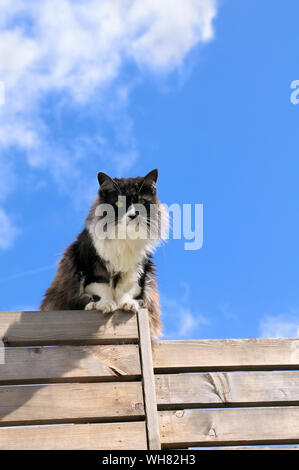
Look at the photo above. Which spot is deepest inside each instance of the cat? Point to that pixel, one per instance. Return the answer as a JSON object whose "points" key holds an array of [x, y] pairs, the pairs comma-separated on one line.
{"points": [[109, 267]]}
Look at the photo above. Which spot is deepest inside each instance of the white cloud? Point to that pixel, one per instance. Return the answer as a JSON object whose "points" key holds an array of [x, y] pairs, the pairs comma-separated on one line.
{"points": [[30, 272], [75, 47], [8, 179], [21, 308], [170, 29], [177, 313], [74, 52], [280, 326], [8, 232]]}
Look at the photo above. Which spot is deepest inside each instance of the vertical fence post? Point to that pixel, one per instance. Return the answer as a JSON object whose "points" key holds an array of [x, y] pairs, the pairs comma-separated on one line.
{"points": [[148, 381], [2, 353]]}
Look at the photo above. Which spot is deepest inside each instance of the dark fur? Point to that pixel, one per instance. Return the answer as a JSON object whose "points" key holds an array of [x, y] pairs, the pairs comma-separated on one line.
{"points": [[80, 264]]}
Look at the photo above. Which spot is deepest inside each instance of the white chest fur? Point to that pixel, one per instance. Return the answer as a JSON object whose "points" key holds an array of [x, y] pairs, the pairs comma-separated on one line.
{"points": [[121, 255]]}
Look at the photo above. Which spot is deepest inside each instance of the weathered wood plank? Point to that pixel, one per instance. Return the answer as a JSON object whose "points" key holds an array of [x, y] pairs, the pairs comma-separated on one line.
{"points": [[31, 404], [110, 436], [85, 327], [276, 447], [230, 426], [148, 381], [70, 363], [227, 354], [227, 388]]}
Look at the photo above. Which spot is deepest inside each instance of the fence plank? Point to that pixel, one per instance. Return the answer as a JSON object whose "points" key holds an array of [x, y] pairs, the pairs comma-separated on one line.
{"points": [[148, 381], [31, 404], [110, 436], [230, 426], [234, 354], [46, 328], [276, 447], [227, 388], [70, 363]]}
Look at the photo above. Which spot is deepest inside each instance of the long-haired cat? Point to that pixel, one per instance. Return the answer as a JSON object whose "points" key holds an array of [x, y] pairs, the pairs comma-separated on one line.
{"points": [[109, 266]]}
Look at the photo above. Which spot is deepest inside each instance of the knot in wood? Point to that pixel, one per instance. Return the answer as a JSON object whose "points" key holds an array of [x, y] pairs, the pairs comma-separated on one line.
{"points": [[212, 432]]}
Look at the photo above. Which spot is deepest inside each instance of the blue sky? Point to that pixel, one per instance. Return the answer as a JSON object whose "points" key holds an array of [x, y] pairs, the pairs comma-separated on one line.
{"points": [[201, 91]]}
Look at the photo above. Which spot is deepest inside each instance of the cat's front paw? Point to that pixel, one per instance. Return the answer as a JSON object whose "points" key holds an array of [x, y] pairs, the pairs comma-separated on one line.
{"points": [[130, 305], [106, 306], [90, 306]]}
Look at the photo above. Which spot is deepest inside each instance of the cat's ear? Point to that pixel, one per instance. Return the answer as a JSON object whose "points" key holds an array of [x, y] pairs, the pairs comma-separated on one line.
{"points": [[149, 181], [102, 178], [151, 177], [107, 183]]}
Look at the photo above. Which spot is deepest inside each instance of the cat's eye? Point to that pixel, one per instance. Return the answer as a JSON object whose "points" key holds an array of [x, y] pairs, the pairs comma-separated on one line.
{"points": [[141, 201], [119, 204]]}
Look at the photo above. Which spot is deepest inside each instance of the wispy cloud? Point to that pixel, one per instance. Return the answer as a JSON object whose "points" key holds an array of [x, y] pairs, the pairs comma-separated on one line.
{"points": [[177, 313], [82, 50], [8, 232], [280, 326], [63, 57], [21, 308], [28, 273], [8, 229]]}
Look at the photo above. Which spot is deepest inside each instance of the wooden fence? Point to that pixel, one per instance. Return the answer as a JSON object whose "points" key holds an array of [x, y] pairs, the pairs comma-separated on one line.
{"points": [[82, 380]]}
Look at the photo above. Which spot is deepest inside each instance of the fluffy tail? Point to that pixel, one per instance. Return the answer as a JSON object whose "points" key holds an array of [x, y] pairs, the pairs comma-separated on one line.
{"points": [[152, 304]]}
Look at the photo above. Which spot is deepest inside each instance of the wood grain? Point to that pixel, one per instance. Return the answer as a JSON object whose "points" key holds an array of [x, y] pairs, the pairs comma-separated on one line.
{"points": [[150, 401], [70, 363], [227, 389], [110, 436], [32, 404], [67, 327], [232, 426], [226, 354], [276, 447]]}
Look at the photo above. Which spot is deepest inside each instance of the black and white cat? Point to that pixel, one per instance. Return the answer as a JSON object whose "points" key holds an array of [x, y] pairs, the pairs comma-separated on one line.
{"points": [[109, 266]]}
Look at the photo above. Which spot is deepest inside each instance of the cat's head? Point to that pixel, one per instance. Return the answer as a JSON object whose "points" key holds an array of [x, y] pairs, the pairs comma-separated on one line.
{"points": [[129, 207], [139, 190]]}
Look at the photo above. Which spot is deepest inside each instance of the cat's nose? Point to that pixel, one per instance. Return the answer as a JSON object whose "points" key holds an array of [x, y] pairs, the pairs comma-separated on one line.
{"points": [[131, 213]]}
